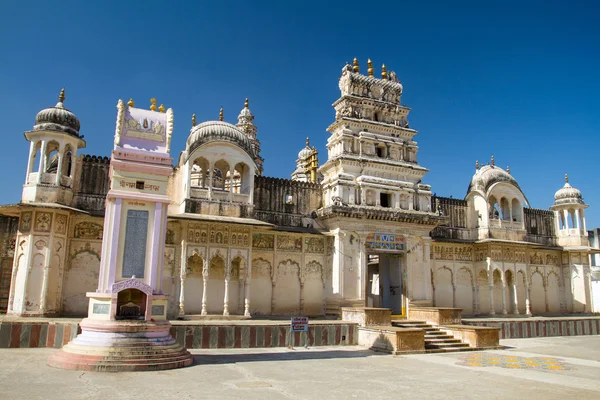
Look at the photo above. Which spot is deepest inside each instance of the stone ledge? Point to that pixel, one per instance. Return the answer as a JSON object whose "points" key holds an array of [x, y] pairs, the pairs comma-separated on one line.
{"points": [[436, 315], [390, 339], [366, 316], [477, 337]]}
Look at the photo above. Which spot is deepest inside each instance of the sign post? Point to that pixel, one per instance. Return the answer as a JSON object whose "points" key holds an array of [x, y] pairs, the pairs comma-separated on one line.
{"points": [[299, 324]]}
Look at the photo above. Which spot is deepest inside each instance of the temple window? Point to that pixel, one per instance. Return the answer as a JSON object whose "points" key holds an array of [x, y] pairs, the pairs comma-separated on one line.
{"points": [[385, 200]]}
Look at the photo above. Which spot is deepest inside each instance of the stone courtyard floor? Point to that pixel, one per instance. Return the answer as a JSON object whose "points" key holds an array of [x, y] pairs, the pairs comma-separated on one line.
{"points": [[545, 368]]}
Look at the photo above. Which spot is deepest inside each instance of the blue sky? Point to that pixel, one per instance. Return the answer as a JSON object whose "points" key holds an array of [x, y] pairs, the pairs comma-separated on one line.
{"points": [[515, 79]]}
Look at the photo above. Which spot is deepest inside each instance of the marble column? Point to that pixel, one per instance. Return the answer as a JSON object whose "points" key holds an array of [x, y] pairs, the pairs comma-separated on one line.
{"points": [[45, 276], [204, 286], [491, 284], [31, 161], [42, 165], [516, 297], [247, 289], [182, 276], [504, 312], [211, 173], [527, 301], [226, 297], [59, 168]]}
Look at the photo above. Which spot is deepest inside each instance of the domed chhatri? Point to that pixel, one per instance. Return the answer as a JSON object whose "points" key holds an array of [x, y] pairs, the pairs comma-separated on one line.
{"points": [[488, 175], [568, 194], [57, 118], [218, 131]]}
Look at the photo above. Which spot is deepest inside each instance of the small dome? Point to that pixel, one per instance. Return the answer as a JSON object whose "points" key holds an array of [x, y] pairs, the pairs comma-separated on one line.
{"points": [[218, 131], [568, 195], [489, 175], [245, 113], [304, 153], [57, 118]]}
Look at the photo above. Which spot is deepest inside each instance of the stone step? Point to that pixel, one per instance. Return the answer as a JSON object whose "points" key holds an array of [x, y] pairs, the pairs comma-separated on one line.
{"points": [[447, 345], [448, 349], [446, 339]]}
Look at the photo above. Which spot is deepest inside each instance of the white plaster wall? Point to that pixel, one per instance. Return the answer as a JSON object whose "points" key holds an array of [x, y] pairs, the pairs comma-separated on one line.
{"points": [[484, 292], [19, 287], [443, 287], [578, 287], [260, 287], [553, 293], [80, 277], [497, 292], [538, 299], [464, 291], [521, 292], [351, 257], [287, 289], [34, 283], [193, 293]]}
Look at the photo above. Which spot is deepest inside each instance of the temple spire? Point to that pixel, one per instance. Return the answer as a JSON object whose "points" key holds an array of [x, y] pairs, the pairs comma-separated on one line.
{"points": [[370, 69], [383, 72], [508, 169], [61, 96], [307, 142], [566, 178], [221, 114], [246, 103], [477, 165], [493, 161], [193, 120]]}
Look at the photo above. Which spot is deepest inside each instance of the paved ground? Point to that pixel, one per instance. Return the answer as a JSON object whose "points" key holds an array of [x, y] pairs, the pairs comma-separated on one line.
{"points": [[546, 368]]}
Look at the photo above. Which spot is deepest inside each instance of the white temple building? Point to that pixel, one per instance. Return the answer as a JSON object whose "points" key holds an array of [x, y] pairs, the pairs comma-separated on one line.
{"points": [[362, 228]]}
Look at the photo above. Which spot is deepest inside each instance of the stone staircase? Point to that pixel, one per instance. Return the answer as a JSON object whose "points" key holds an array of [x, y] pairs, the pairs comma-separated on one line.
{"points": [[436, 341]]}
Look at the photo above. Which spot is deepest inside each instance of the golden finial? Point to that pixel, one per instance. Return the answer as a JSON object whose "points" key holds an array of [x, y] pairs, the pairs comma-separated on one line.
{"points": [[355, 66], [477, 164], [221, 114], [307, 142], [493, 162], [161, 108], [153, 104], [193, 120], [508, 169], [370, 65], [566, 178], [383, 72], [130, 103], [61, 96], [246, 104]]}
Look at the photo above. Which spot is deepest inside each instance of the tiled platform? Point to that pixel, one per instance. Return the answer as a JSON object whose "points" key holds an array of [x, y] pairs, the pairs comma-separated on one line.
{"points": [[529, 327], [204, 334]]}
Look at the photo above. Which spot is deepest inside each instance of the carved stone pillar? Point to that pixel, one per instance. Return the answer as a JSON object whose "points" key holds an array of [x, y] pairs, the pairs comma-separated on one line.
{"points": [[211, 173], [272, 297], [31, 160], [504, 312], [301, 297], [475, 296], [516, 298], [182, 275], [491, 285], [226, 297], [247, 294], [204, 287], [59, 168], [547, 306], [527, 296], [42, 165], [44, 291]]}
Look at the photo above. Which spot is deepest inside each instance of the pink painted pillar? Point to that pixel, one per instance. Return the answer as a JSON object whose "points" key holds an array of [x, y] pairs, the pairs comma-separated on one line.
{"points": [[114, 244]]}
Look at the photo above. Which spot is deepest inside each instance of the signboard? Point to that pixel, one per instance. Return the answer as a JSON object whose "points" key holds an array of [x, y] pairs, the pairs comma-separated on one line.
{"points": [[299, 324], [385, 242]]}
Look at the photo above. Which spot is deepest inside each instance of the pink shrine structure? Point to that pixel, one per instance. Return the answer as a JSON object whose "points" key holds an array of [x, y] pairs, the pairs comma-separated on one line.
{"points": [[127, 327]]}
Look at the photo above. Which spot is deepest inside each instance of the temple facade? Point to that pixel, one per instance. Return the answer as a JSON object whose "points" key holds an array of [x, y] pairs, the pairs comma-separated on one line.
{"points": [[361, 229]]}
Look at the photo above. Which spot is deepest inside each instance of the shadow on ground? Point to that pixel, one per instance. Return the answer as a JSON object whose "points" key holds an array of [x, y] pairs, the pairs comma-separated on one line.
{"points": [[292, 355]]}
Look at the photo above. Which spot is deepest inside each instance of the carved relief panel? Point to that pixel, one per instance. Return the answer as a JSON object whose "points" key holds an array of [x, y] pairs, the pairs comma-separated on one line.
{"points": [[43, 221]]}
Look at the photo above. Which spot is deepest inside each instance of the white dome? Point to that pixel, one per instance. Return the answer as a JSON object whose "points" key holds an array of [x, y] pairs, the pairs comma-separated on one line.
{"points": [[568, 195]]}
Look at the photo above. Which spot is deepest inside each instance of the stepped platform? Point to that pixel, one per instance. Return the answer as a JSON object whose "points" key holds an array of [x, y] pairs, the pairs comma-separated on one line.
{"points": [[436, 340], [196, 333]]}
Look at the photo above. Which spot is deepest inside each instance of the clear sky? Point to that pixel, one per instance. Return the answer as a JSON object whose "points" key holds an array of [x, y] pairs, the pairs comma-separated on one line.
{"points": [[519, 80]]}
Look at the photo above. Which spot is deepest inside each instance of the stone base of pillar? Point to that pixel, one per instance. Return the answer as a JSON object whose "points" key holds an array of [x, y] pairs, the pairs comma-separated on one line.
{"points": [[112, 346]]}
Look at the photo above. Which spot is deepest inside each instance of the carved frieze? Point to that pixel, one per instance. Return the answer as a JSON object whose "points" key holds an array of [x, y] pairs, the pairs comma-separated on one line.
{"points": [[60, 224], [25, 222], [88, 230], [43, 221], [289, 243], [314, 245], [463, 254], [263, 241]]}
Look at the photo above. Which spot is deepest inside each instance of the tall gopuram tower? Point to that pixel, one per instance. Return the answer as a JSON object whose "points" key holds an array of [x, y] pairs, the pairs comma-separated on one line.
{"points": [[372, 175], [246, 125], [45, 212], [126, 327]]}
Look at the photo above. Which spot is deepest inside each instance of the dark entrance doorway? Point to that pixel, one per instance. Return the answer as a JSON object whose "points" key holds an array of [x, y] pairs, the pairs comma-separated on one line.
{"points": [[386, 287]]}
